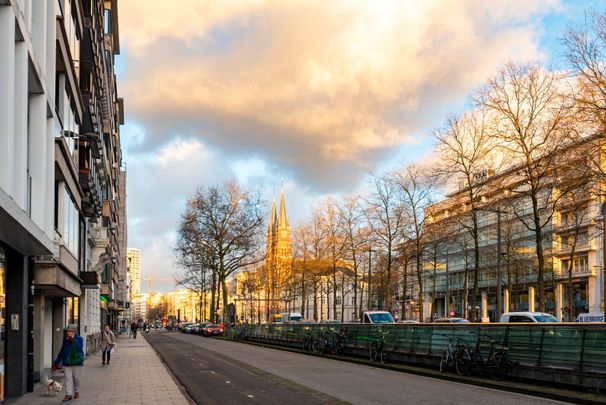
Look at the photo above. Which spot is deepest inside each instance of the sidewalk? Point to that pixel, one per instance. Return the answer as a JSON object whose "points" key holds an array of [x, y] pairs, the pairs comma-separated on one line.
{"points": [[136, 376]]}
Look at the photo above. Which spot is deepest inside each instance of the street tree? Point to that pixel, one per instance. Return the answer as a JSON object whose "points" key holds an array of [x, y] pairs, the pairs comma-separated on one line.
{"points": [[532, 119], [224, 222], [465, 148]]}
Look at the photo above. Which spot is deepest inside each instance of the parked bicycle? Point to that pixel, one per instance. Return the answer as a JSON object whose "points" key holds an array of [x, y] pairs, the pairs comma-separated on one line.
{"points": [[454, 354], [308, 341], [495, 363], [378, 348]]}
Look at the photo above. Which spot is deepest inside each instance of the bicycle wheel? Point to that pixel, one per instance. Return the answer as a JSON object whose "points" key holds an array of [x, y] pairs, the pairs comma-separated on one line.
{"points": [[498, 366], [340, 348], [384, 354], [374, 352], [462, 362], [444, 359]]}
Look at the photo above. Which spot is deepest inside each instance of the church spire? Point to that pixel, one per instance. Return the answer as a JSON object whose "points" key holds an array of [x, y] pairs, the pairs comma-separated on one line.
{"points": [[283, 220], [273, 216]]}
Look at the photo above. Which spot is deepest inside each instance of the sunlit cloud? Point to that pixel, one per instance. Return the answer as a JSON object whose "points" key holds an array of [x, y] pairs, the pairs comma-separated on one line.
{"points": [[324, 89]]}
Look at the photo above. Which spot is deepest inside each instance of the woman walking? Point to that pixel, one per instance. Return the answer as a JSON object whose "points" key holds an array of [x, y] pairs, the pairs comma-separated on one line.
{"points": [[71, 357], [109, 342]]}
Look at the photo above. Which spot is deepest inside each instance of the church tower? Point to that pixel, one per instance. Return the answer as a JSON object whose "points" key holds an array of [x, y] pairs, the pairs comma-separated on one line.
{"points": [[278, 260]]}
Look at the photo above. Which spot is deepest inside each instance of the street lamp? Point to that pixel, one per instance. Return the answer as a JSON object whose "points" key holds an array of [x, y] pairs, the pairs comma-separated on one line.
{"points": [[369, 279], [499, 283]]}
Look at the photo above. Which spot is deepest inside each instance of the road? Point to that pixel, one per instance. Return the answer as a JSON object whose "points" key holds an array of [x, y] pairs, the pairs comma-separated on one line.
{"points": [[215, 371]]}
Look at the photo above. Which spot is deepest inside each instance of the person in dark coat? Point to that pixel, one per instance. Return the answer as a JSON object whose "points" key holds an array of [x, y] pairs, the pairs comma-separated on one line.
{"points": [[133, 328], [71, 357]]}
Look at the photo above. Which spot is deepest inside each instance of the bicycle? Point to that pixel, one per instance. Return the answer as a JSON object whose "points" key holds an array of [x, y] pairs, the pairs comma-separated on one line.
{"points": [[495, 363], [378, 348], [333, 341], [454, 356], [308, 341]]}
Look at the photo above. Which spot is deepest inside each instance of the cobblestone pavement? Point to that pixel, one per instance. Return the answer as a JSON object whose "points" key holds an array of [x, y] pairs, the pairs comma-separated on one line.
{"points": [[136, 376]]}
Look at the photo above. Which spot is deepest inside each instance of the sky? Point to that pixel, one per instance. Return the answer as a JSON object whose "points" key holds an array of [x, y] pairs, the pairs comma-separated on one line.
{"points": [[317, 94]]}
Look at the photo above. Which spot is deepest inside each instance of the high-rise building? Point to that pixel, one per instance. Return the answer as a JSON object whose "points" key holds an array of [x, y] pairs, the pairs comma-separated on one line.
{"points": [[61, 171], [134, 268]]}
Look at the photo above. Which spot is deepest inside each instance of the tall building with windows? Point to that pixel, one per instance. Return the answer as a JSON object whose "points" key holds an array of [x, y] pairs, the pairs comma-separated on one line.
{"points": [[572, 240], [60, 174], [134, 272]]}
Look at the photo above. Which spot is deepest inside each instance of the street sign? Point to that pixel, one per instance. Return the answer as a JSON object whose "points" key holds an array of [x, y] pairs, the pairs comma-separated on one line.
{"points": [[451, 313]]}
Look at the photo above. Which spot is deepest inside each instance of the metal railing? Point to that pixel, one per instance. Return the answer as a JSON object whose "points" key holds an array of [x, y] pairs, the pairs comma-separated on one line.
{"points": [[568, 346]]}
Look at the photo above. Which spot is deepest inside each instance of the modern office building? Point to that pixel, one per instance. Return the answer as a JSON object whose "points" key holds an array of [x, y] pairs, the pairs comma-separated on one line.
{"points": [[60, 175]]}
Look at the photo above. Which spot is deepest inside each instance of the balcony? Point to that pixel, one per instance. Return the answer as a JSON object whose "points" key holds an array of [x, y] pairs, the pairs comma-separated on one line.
{"points": [[89, 180]]}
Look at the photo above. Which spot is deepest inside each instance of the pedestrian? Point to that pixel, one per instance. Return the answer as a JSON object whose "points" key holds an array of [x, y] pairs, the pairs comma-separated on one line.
{"points": [[133, 329], [108, 344], [71, 357]]}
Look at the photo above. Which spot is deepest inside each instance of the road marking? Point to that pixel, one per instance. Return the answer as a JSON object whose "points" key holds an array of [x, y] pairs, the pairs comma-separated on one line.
{"points": [[227, 382], [250, 396]]}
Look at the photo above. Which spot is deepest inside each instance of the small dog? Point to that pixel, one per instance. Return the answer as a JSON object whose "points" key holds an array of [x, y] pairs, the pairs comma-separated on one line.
{"points": [[52, 386]]}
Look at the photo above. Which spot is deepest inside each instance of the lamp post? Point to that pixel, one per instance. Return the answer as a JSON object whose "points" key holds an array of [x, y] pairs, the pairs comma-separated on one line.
{"points": [[369, 279]]}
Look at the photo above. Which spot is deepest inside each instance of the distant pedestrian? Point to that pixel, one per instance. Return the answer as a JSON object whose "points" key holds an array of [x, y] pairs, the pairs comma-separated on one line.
{"points": [[108, 345], [133, 329], [71, 357]]}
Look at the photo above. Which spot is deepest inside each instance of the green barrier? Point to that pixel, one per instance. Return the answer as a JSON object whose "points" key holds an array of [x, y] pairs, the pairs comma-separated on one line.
{"points": [[566, 346]]}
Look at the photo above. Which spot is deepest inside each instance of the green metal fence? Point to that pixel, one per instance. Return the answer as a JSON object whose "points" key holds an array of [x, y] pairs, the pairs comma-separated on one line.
{"points": [[565, 346]]}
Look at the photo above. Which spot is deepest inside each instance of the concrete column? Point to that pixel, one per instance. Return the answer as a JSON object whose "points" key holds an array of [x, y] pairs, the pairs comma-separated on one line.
{"points": [[426, 307], [594, 292], [484, 305], [37, 157], [558, 294], [531, 299], [49, 190], [20, 128], [38, 32], [506, 300], [7, 96]]}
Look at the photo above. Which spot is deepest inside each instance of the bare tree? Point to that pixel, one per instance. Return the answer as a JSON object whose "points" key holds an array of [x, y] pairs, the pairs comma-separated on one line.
{"points": [[356, 239], [224, 222], [532, 120], [386, 215], [416, 188], [465, 148]]}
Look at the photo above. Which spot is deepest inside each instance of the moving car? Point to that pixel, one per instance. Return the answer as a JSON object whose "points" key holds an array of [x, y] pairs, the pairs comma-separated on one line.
{"points": [[532, 317]]}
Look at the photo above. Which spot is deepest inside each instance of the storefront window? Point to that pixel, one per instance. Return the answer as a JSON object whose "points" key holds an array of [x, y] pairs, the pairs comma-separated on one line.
{"points": [[2, 319]]}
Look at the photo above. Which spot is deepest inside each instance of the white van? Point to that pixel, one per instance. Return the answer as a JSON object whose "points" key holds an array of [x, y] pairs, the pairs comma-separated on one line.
{"points": [[533, 317], [377, 317]]}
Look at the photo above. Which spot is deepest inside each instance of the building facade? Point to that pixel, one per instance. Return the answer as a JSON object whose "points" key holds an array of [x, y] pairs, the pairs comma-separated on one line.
{"points": [[60, 175], [572, 242]]}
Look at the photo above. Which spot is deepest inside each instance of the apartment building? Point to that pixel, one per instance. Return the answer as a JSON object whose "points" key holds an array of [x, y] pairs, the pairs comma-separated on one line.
{"points": [[508, 275], [60, 175]]}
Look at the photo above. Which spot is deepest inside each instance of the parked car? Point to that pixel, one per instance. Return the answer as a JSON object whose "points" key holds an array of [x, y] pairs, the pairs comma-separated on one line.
{"points": [[198, 327], [591, 317], [532, 317], [377, 317], [450, 320], [213, 330]]}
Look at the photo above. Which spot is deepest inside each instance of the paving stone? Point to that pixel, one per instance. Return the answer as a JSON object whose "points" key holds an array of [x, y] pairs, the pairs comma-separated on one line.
{"points": [[135, 376]]}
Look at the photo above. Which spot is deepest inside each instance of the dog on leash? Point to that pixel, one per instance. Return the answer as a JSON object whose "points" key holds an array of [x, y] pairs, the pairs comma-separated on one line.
{"points": [[52, 387]]}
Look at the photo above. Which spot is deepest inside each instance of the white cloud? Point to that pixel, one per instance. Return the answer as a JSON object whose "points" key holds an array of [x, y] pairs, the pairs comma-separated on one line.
{"points": [[324, 89]]}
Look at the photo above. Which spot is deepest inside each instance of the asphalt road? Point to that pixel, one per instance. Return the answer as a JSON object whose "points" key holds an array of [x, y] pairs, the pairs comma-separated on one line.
{"points": [[215, 371]]}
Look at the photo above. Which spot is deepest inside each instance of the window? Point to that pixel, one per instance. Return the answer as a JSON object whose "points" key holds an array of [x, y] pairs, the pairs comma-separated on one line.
{"points": [[339, 300], [71, 223], [353, 300], [107, 24], [519, 318]]}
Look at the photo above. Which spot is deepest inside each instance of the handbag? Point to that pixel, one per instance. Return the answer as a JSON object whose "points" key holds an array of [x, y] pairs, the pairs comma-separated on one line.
{"points": [[74, 358]]}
